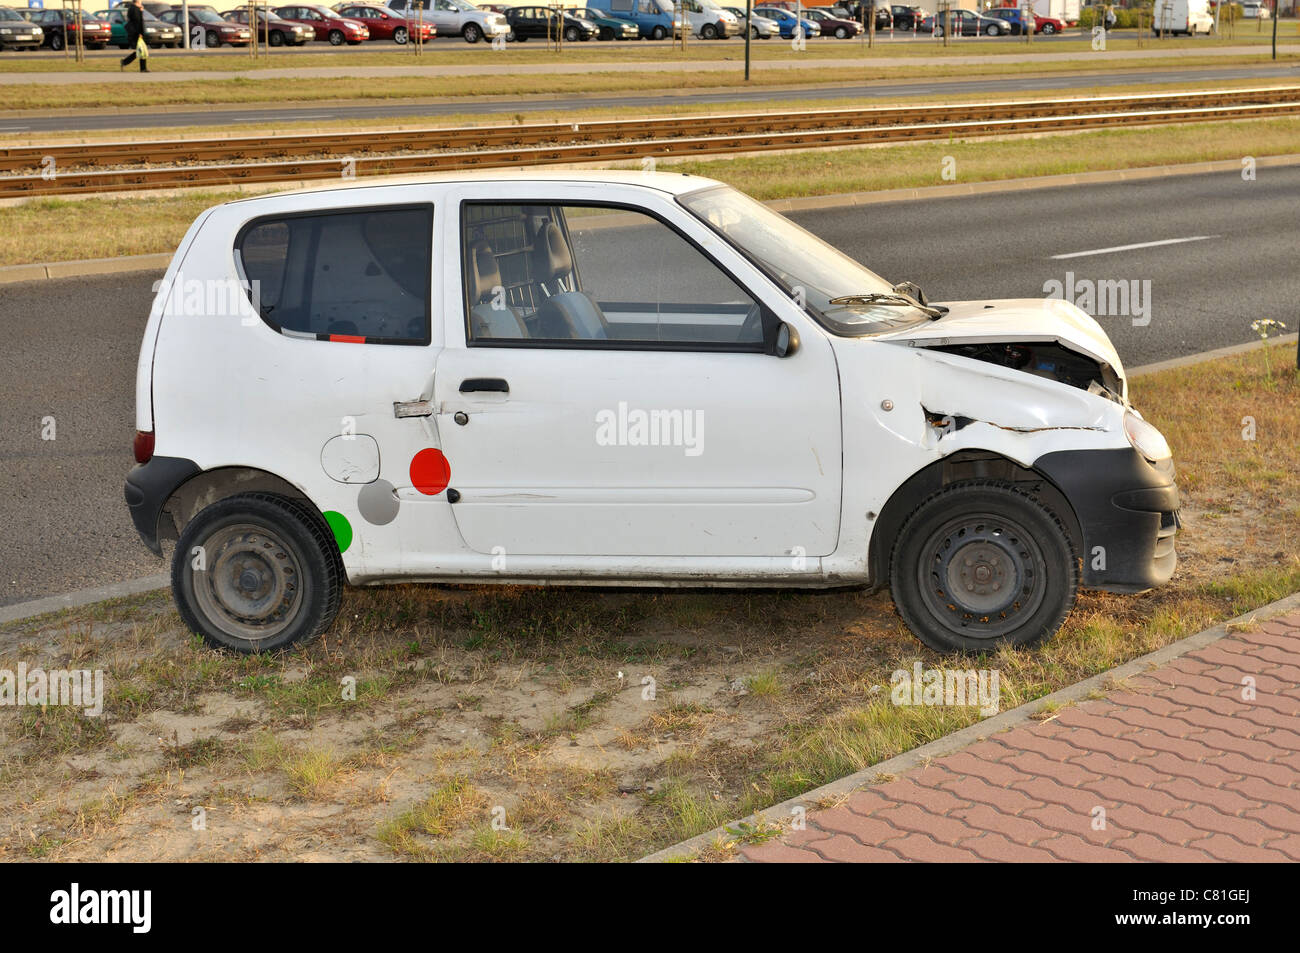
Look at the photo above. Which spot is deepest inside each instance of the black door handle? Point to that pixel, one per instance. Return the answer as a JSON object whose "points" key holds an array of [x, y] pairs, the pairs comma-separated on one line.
{"points": [[491, 384]]}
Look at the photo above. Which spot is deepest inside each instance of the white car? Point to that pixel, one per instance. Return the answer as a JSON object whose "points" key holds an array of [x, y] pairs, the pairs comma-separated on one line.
{"points": [[707, 20], [1255, 11], [457, 18], [760, 27], [607, 378]]}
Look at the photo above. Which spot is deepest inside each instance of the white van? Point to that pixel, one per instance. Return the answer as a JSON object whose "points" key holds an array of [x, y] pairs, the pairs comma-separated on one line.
{"points": [[708, 20], [607, 378], [1187, 17]]}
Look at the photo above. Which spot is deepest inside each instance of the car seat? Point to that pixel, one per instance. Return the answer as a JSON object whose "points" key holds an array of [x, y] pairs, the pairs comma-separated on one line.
{"points": [[488, 320]]}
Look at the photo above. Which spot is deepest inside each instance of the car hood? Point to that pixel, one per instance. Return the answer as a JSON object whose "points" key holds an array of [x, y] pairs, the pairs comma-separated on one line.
{"points": [[1014, 320]]}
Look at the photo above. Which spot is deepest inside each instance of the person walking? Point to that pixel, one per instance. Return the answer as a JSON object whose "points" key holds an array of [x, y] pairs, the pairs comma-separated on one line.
{"points": [[135, 36]]}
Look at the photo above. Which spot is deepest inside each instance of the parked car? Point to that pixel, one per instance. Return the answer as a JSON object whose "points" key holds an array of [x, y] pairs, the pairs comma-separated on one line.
{"points": [[834, 26], [157, 32], [17, 32], [502, 399], [1255, 11], [761, 27], [386, 24], [966, 23], [59, 28], [905, 18], [458, 18], [707, 20], [608, 27], [326, 24], [539, 23], [1187, 17], [857, 12], [653, 18], [1017, 19], [787, 22], [209, 27], [273, 30]]}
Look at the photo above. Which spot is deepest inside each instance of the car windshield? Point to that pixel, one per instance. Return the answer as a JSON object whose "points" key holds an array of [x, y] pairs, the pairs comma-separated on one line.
{"points": [[7, 14], [205, 16], [811, 271]]}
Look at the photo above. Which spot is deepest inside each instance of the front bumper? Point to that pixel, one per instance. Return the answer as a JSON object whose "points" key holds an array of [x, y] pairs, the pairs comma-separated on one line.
{"points": [[1127, 510], [148, 487]]}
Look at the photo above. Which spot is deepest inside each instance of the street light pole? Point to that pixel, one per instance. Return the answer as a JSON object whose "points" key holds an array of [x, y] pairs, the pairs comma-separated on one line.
{"points": [[749, 33]]}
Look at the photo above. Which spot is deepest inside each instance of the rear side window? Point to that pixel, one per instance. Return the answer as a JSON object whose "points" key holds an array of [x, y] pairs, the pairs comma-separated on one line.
{"points": [[358, 276]]}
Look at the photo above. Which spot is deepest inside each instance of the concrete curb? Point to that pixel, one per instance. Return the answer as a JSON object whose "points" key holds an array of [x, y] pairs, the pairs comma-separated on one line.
{"points": [[810, 801], [82, 597], [1218, 352], [159, 261]]}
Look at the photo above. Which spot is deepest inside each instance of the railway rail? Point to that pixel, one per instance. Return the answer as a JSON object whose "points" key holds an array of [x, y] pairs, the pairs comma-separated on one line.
{"points": [[62, 169]]}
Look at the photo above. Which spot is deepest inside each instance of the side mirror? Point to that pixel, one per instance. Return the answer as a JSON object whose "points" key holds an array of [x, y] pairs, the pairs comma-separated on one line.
{"points": [[787, 341]]}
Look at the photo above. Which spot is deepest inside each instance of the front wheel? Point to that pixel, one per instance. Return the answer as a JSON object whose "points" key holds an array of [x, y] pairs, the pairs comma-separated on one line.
{"points": [[336, 37], [938, 31], [213, 39], [993, 30], [1047, 29], [472, 33], [709, 31], [276, 38], [658, 33], [571, 34], [400, 36], [56, 42], [257, 572], [841, 33], [981, 564]]}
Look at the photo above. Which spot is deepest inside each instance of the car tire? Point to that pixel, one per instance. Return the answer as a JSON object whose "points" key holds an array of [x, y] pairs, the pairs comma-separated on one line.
{"points": [[472, 33], [658, 33], [992, 30], [938, 31], [958, 549], [271, 574], [606, 33], [275, 38], [1047, 30], [709, 31], [336, 37], [212, 40], [56, 42], [841, 33], [400, 36], [571, 34]]}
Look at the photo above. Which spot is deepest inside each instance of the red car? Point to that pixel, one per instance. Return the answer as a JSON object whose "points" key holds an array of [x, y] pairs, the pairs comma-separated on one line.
{"points": [[61, 27], [385, 24], [1013, 15], [327, 24]]}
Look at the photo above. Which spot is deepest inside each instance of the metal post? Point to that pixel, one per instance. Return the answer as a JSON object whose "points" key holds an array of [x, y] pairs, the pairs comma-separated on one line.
{"points": [[749, 33], [185, 22], [1274, 29]]}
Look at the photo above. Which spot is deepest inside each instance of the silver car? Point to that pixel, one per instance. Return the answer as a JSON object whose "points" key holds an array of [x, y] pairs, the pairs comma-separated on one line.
{"points": [[761, 28]]}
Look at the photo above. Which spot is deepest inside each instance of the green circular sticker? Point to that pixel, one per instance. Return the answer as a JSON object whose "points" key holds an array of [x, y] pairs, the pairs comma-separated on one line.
{"points": [[342, 529]]}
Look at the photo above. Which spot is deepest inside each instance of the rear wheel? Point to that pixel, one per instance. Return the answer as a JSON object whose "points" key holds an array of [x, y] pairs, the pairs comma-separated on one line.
{"points": [[257, 572], [980, 564]]}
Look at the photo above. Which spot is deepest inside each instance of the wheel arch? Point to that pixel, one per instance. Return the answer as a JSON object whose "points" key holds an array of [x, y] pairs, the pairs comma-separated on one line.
{"points": [[968, 464], [210, 486]]}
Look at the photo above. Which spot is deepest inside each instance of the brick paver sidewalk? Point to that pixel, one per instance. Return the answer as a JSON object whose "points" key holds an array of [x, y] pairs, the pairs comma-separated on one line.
{"points": [[1183, 766]]}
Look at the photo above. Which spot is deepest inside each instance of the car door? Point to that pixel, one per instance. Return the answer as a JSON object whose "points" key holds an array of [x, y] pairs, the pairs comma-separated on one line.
{"points": [[610, 395]]}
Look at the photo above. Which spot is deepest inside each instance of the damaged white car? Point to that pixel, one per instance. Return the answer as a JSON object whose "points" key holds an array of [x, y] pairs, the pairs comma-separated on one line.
{"points": [[619, 379]]}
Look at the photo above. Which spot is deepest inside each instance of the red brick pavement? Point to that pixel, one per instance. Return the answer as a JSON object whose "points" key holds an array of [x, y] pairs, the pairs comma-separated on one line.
{"points": [[1178, 766]]}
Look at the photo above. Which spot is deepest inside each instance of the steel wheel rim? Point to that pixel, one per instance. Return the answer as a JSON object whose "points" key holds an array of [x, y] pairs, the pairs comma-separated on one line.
{"points": [[979, 575], [251, 587]]}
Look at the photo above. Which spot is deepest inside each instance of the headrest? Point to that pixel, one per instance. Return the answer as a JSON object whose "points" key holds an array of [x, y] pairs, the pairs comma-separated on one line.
{"points": [[484, 273], [551, 257]]}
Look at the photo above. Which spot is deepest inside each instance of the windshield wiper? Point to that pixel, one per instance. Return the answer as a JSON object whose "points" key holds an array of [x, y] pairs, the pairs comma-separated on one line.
{"points": [[892, 300]]}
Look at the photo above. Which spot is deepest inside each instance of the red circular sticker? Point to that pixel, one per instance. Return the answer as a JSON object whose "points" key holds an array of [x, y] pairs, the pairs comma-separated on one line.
{"points": [[430, 472]]}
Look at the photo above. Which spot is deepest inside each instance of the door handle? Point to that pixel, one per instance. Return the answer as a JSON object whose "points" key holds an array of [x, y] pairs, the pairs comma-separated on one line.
{"points": [[490, 384]]}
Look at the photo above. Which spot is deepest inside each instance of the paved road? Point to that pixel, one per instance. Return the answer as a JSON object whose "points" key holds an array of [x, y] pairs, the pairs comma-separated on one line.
{"points": [[952, 89], [1177, 767], [71, 345]]}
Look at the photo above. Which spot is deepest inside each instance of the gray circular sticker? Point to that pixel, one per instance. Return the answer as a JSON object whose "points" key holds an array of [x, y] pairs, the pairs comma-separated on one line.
{"points": [[377, 503]]}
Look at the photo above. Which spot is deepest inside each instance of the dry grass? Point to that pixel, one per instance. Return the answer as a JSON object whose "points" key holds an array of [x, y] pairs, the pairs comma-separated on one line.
{"points": [[60, 229], [497, 726]]}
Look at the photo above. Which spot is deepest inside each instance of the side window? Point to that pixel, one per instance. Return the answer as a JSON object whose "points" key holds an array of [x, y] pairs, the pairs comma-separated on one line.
{"points": [[358, 276], [592, 276]]}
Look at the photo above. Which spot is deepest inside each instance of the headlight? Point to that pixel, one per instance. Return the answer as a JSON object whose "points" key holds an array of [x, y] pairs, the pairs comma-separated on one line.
{"points": [[1146, 440], [6, 31]]}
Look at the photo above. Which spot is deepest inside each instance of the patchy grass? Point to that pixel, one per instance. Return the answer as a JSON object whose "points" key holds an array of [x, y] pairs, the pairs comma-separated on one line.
{"points": [[514, 723], [58, 229]]}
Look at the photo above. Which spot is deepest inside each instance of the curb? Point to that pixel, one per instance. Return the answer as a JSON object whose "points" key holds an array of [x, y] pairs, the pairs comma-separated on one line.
{"points": [[160, 260], [82, 597], [810, 801]]}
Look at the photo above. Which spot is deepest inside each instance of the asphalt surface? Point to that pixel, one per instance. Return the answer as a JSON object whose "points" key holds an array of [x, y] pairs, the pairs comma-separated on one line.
{"points": [[71, 345], [303, 112]]}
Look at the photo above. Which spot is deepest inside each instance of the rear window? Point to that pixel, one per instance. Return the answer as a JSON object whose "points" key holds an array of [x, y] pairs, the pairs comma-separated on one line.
{"points": [[358, 276]]}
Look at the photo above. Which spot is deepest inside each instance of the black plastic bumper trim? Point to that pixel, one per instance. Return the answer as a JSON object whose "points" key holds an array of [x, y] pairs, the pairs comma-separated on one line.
{"points": [[148, 486]]}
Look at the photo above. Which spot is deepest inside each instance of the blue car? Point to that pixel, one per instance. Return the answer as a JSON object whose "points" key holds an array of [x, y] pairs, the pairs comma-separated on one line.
{"points": [[787, 22]]}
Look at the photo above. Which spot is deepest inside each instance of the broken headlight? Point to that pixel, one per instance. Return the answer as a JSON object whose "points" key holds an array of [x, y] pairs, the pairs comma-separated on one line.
{"points": [[1146, 440]]}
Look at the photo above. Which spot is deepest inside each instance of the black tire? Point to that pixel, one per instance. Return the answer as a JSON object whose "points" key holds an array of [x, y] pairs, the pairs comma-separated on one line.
{"points": [[400, 36], [993, 30], [1048, 29], [336, 37], [270, 544], [95, 46], [276, 38], [606, 33], [957, 551], [56, 42], [709, 31], [571, 34], [658, 33], [472, 33], [212, 40], [753, 31], [841, 33], [938, 31]]}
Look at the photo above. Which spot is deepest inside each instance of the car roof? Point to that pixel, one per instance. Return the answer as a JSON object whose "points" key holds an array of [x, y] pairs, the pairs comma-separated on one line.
{"points": [[671, 183]]}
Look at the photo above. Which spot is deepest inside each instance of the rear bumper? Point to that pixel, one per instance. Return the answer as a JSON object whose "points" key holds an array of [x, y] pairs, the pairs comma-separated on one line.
{"points": [[148, 486], [1127, 510]]}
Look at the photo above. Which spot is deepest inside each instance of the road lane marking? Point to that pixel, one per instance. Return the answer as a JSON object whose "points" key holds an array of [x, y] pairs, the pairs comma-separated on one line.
{"points": [[1107, 251]]}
